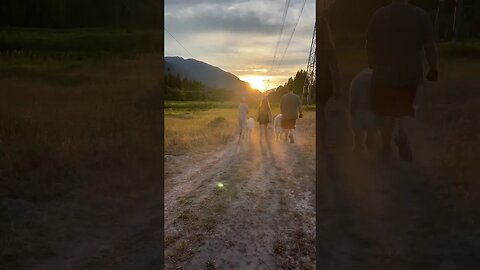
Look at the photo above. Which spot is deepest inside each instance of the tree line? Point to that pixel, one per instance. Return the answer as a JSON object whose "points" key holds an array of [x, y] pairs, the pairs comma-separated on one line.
{"points": [[353, 16], [296, 84], [183, 89], [178, 89], [81, 13]]}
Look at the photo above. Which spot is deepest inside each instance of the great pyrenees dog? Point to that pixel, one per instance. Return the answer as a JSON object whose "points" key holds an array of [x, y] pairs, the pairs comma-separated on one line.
{"points": [[365, 124], [249, 127], [277, 125]]}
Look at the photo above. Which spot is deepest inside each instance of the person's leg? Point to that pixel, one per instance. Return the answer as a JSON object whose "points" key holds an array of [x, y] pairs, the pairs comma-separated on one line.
{"points": [[266, 132], [286, 134], [401, 140], [371, 138], [371, 128], [387, 134], [359, 141], [260, 132], [240, 129]]}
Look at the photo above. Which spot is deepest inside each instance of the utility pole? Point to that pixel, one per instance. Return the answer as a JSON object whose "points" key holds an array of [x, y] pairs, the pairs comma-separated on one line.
{"points": [[310, 78]]}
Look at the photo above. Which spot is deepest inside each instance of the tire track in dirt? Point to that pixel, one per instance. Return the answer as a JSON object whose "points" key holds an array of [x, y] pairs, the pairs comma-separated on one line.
{"points": [[262, 219]]}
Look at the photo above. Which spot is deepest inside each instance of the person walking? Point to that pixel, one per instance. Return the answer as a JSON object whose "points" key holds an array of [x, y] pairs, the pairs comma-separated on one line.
{"points": [[328, 77], [291, 110], [264, 117], [242, 117], [396, 35]]}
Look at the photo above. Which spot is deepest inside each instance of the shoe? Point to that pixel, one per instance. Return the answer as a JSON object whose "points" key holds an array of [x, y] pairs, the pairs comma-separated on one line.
{"points": [[404, 150]]}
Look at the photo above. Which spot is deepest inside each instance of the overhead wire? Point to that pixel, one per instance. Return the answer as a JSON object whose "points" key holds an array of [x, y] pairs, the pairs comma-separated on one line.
{"points": [[284, 16], [179, 42], [293, 32]]}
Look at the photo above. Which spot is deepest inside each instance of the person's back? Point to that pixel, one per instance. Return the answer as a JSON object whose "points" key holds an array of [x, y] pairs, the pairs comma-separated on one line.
{"points": [[264, 114], [395, 40], [243, 111], [289, 105]]}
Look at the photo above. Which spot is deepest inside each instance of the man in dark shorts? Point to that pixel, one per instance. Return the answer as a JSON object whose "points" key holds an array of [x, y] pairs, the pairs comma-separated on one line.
{"points": [[291, 110], [395, 38]]}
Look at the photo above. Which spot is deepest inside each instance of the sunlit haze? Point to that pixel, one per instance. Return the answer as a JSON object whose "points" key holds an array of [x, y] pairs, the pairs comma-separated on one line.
{"points": [[240, 36]]}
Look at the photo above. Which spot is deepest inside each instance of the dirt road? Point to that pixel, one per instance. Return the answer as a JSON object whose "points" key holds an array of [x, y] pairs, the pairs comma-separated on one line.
{"points": [[374, 214], [246, 206]]}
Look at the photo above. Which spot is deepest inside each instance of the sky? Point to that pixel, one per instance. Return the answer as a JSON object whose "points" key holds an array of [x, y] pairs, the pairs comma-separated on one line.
{"points": [[240, 36]]}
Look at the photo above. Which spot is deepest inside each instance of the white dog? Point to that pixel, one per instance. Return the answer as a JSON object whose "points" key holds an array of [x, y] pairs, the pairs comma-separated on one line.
{"points": [[277, 124], [363, 121], [250, 126]]}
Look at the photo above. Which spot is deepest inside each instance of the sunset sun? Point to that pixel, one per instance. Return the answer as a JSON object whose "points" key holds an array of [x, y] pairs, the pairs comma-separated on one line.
{"points": [[256, 82]]}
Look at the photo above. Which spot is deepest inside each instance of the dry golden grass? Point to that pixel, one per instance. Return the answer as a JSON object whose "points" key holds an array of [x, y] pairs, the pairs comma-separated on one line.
{"points": [[57, 128], [191, 129], [77, 139]]}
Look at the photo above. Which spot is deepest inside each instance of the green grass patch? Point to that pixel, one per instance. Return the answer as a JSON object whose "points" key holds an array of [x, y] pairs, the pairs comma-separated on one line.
{"points": [[197, 105]]}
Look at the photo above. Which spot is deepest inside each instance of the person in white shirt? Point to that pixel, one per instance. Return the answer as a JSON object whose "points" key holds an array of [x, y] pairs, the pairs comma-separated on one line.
{"points": [[242, 116]]}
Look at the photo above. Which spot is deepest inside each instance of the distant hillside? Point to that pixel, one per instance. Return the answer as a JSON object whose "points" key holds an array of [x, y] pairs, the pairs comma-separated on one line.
{"points": [[207, 74], [269, 91]]}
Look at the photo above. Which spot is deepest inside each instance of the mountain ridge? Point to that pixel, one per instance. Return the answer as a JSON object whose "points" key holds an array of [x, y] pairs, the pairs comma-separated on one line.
{"points": [[211, 76]]}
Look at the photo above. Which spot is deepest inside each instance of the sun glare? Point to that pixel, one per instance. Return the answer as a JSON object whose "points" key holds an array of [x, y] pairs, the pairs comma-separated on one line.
{"points": [[256, 82]]}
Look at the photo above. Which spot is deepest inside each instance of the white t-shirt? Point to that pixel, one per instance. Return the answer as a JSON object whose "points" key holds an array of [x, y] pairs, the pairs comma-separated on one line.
{"points": [[243, 111]]}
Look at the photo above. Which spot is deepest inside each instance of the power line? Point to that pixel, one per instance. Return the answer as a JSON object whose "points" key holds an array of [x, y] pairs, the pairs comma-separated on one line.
{"points": [[284, 16], [293, 32], [178, 42]]}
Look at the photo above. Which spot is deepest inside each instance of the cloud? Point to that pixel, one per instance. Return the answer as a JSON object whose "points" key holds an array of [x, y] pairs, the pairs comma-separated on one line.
{"points": [[240, 35], [248, 22]]}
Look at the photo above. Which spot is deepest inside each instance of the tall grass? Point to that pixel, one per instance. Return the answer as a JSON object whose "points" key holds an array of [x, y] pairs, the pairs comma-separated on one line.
{"points": [[81, 132], [199, 126], [92, 41], [58, 130], [190, 131]]}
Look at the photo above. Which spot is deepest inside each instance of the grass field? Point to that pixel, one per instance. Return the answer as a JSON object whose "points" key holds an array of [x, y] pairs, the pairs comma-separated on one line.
{"points": [[191, 126], [78, 130], [88, 40]]}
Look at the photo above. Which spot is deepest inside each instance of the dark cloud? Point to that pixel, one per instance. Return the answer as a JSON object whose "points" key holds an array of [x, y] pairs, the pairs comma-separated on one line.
{"points": [[237, 16], [248, 22]]}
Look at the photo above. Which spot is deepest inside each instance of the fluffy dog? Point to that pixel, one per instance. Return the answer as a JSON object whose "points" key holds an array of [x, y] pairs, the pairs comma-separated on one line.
{"points": [[277, 125]]}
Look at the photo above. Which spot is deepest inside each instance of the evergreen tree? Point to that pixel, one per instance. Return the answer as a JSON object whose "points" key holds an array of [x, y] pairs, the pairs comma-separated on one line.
{"points": [[178, 82]]}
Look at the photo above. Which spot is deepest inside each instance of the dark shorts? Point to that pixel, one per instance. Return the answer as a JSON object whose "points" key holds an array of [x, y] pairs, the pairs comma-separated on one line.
{"points": [[392, 100], [263, 122], [288, 123]]}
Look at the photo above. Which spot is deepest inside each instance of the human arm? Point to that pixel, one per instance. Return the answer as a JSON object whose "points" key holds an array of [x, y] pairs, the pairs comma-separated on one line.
{"points": [[300, 111]]}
